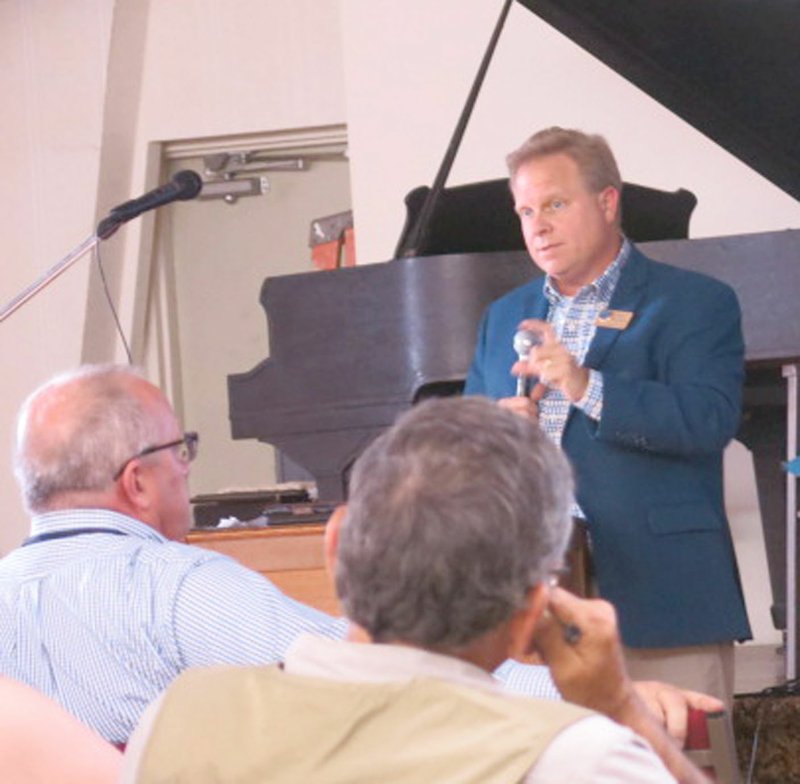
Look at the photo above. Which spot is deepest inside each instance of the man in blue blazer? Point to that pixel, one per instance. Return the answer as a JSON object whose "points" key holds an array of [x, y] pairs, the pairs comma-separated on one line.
{"points": [[638, 376]]}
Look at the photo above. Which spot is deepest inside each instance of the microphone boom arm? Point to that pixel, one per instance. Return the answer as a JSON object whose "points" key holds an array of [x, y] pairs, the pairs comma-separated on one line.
{"points": [[183, 186], [48, 276]]}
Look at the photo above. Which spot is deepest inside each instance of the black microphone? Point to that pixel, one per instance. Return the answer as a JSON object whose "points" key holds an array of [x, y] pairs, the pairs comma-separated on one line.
{"points": [[183, 186], [524, 341]]}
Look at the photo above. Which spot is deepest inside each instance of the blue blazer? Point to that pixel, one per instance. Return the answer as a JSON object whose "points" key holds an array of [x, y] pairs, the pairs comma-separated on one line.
{"points": [[649, 473]]}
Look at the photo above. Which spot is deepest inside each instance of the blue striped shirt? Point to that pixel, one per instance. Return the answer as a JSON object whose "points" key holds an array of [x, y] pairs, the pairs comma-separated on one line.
{"points": [[103, 622]]}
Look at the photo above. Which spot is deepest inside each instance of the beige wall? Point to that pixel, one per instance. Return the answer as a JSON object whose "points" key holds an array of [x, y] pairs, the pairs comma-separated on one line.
{"points": [[215, 69], [52, 81]]}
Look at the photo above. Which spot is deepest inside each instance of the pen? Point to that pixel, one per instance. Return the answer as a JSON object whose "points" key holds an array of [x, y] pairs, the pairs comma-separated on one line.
{"points": [[572, 633]]}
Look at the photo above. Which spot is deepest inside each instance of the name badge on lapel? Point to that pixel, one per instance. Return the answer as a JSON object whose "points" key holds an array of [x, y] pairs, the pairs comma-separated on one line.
{"points": [[614, 319]]}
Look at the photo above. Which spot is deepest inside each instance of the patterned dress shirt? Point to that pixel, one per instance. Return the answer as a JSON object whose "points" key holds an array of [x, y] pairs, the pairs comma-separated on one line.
{"points": [[574, 320]]}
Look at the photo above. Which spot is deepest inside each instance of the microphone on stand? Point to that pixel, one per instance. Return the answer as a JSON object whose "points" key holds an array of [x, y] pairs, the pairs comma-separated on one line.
{"points": [[183, 186], [524, 341]]}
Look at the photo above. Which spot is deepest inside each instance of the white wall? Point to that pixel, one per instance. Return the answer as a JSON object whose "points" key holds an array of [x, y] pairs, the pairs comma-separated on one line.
{"points": [[408, 68], [52, 80]]}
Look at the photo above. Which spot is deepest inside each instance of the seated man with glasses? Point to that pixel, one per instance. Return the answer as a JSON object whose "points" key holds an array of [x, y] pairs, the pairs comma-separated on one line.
{"points": [[103, 605]]}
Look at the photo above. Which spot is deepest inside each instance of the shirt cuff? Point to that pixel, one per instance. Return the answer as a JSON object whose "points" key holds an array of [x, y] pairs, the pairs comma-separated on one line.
{"points": [[592, 401]]}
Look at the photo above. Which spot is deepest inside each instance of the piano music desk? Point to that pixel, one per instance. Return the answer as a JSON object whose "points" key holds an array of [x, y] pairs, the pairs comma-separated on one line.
{"points": [[292, 556]]}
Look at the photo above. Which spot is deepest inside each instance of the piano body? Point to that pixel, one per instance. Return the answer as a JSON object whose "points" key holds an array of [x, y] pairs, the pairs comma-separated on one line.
{"points": [[352, 348]]}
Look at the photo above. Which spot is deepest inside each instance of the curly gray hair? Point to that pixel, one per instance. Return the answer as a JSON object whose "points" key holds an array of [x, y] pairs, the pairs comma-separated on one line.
{"points": [[454, 514]]}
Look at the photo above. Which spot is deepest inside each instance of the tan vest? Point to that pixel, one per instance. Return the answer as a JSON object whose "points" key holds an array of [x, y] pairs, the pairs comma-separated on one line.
{"points": [[259, 724]]}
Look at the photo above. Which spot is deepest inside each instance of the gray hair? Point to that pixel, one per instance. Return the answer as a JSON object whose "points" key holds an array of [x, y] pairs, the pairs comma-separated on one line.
{"points": [[453, 515], [107, 425], [590, 152]]}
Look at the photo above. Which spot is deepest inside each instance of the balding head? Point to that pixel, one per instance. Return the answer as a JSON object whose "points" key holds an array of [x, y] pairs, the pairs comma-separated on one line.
{"points": [[75, 431]]}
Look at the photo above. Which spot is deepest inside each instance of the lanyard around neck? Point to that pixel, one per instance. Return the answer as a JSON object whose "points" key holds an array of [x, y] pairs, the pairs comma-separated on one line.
{"points": [[68, 532]]}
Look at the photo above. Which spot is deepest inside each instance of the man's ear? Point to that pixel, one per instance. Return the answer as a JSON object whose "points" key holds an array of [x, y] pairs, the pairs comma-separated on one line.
{"points": [[610, 203], [332, 538], [132, 489], [526, 619]]}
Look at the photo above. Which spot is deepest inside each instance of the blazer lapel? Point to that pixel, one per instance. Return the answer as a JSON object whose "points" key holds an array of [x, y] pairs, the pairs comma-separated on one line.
{"points": [[537, 305], [627, 296]]}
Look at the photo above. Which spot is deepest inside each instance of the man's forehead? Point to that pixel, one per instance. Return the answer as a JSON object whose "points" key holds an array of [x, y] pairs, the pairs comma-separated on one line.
{"points": [[541, 191], [537, 179]]}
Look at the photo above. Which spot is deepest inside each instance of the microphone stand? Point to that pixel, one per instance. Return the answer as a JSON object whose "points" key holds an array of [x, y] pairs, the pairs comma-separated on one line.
{"points": [[49, 276]]}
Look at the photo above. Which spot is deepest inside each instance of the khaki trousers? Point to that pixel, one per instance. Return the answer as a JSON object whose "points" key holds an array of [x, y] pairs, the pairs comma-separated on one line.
{"points": [[706, 668]]}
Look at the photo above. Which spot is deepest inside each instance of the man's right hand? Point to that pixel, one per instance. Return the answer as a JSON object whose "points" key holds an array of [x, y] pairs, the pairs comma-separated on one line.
{"points": [[589, 670], [525, 405], [671, 705]]}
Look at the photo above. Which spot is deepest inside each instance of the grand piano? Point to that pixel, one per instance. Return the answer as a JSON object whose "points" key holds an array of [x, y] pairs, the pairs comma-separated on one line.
{"points": [[352, 348]]}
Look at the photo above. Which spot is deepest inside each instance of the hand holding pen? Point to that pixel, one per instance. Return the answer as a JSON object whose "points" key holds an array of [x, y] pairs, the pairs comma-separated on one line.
{"points": [[579, 641]]}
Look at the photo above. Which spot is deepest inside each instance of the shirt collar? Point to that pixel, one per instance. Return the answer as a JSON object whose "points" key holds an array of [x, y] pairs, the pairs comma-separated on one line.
{"points": [[65, 519], [351, 661], [602, 287]]}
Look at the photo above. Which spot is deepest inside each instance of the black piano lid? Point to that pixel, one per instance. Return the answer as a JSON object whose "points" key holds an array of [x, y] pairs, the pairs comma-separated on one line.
{"points": [[731, 68]]}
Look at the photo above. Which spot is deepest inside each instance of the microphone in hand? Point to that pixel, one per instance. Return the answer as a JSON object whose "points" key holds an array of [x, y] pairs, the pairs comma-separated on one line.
{"points": [[524, 341]]}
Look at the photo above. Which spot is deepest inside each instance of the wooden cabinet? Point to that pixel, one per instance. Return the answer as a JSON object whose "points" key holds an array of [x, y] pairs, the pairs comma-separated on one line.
{"points": [[291, 556]]}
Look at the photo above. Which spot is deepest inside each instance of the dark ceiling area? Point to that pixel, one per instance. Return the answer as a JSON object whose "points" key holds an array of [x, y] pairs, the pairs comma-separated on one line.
{"points": [[730, 68]]}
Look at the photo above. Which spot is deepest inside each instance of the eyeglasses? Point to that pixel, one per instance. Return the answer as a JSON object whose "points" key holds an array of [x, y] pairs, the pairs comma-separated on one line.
{"points": [[186, 446]]}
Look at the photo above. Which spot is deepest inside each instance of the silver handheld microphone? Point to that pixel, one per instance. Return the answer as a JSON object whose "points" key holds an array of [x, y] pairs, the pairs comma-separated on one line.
{"points": [[524, 341]]}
